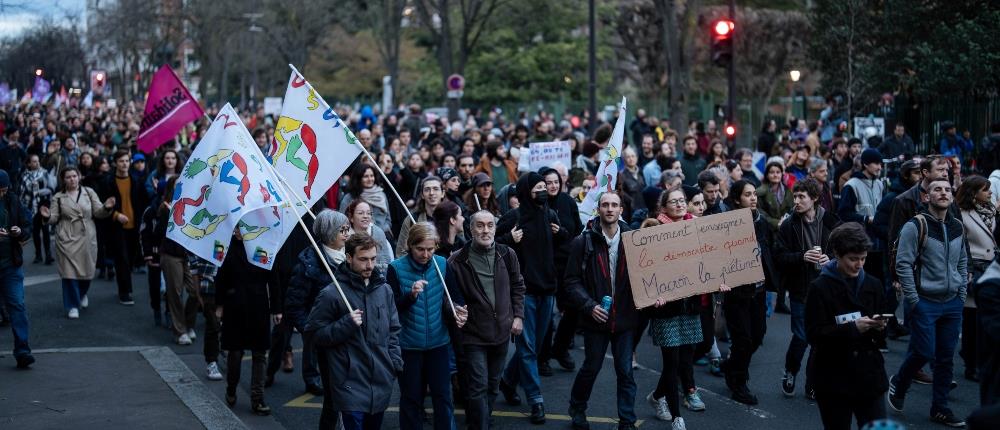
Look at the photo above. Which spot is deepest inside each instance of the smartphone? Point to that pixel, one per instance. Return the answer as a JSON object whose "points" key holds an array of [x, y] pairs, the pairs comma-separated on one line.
{"points": [[883, 316]]}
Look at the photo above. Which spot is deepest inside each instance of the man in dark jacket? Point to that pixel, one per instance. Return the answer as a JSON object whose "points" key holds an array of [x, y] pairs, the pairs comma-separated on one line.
{"points": [[842, 324], [130, 201], [533, 231], [15, 227], [691, 163], [13, 157], [711, 189], [858, 201], [898, 145], [796, 251], [557, 340], [911, 202], [596, 269], [909, 175], [358, 350], [486, 277], [987, 293]]}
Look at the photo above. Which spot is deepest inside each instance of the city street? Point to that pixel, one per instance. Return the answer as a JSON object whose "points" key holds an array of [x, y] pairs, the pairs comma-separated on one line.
{"points": [[108, 324]]}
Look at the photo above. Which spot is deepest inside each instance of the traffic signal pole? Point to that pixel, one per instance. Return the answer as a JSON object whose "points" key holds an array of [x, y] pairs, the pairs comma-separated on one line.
{"points": [[731, 93]]}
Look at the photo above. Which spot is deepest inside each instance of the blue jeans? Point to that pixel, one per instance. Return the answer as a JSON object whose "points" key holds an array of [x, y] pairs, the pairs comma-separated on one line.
{"points": [[595, 346], [420, 370], [797, 346], [73, 290], [362, 421], [934, 329], [523, 366], [12, 292]]}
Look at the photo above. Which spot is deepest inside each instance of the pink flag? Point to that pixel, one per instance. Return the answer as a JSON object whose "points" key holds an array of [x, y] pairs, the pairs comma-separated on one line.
{"points": [[169, 107]]}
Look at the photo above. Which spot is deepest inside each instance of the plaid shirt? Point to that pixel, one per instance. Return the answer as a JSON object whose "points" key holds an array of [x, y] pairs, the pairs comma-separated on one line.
{"points": [[205, 271]]}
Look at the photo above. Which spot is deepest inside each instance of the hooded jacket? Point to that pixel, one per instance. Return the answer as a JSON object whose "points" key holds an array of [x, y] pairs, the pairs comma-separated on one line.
{"points": [[362, 361], [588, 280], [937, 269], [847, 362], [537, 246], [569, 218], [797, 274]]}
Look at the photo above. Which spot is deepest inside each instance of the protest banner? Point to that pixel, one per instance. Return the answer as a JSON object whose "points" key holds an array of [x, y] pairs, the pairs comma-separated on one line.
{"points": [[687, 258], [545, 154], [865, 126], [169, 107]]}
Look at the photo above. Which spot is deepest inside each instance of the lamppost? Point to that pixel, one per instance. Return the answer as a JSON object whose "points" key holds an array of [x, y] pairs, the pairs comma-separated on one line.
{"points": [[796, 75]]}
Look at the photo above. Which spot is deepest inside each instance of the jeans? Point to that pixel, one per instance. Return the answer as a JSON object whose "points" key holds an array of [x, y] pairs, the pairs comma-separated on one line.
{"points": [[362, 421], [484, 364], [12, 296], [420, 370], [797, 346], [281, 335], [523, 366], [73, 290], [595, 346], [934, 329], [836, 410]]}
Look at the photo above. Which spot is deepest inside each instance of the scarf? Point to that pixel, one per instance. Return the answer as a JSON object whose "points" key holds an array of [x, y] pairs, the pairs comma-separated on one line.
{"points": [[988, 212], [779, 193], [337, 255], [375, 197]]}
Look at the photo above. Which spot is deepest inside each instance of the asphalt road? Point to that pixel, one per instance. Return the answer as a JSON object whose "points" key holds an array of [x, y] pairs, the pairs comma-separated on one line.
{"points": [[107, 323]]}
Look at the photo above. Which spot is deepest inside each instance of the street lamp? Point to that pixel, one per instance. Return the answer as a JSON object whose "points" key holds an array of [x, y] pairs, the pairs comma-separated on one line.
{"points": [[38, 72], [795, 75]]}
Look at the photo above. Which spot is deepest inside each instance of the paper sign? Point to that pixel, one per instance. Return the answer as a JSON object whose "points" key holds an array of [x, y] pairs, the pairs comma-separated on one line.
{"points": [[545, 154], [687, 258], [272, 105]]}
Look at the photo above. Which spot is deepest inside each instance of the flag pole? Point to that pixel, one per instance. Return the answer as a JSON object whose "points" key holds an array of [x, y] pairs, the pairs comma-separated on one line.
{"points": [[312, 241], [479, 207], [391, 187]]}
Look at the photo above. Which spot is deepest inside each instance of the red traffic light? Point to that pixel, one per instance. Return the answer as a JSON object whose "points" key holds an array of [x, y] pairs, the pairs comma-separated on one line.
{"points": [[730, 131], [99, 77], [724, 27]]}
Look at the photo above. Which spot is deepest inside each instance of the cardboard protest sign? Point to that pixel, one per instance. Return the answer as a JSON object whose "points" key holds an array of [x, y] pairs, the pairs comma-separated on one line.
{"points": [[687, 258], [545, 154]]}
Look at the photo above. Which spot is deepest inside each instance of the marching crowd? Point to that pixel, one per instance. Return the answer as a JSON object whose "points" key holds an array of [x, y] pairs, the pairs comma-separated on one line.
{"points": [[428, 293]]}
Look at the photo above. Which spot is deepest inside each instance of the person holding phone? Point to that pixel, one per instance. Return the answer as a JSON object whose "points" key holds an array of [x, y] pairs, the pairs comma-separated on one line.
{"points": [[842, 326]]}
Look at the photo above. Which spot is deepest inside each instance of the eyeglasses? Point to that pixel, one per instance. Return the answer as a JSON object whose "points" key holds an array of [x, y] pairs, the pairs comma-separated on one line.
{"points": [[677, 202], [345, 230]]}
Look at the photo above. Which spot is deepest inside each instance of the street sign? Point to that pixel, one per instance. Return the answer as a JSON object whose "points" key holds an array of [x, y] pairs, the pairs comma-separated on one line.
{"points": [[455, 94], [456, 83]]}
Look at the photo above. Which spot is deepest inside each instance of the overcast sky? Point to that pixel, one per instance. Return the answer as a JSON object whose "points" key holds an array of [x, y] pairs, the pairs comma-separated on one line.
{"points": [[26, 13]]}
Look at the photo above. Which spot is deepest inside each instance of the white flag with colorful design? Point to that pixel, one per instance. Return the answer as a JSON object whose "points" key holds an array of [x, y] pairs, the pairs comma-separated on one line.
{"points": [[225, 183], [311, 149], [607, 171]]}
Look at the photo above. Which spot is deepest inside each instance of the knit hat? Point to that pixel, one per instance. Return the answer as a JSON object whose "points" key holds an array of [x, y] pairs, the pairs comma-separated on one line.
{"points": [[869, 156], [446, 173]]}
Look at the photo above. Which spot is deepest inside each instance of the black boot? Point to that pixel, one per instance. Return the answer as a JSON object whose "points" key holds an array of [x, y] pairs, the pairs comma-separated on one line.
{"points": [[509, 393], [741, 393], [260, 408], [578, 417], [231, 395], [538, 413]]}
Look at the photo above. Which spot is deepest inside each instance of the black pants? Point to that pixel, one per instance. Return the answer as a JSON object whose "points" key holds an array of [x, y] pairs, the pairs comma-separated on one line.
{"points": [[41, 237], [745, 320], [153, 280], [707, 331], [281, 336], [233, 362], [836, 410], [484, 365], [125, 249], [671, 374], [212, 328], [968, 351], [559, 337]]}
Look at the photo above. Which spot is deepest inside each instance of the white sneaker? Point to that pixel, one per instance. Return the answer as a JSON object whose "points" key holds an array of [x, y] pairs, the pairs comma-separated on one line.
{"points": [[660, 406], [183, 339], [213, 372], [678, 424], [191, 334], [74, 313], [84, 302]]}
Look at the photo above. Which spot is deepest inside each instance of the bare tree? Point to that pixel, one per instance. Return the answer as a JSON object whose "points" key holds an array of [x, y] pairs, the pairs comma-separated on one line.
{"points": [[678, 21], [455, 27]]}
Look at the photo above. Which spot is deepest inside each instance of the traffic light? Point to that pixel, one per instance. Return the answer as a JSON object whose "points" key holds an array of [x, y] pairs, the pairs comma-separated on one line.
{"points": [[722, 42], [730, 132], [98, 80]]}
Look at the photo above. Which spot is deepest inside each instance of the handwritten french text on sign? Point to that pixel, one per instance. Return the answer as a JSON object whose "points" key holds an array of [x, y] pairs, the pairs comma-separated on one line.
{"points": [[545, 154], [686, 258]]}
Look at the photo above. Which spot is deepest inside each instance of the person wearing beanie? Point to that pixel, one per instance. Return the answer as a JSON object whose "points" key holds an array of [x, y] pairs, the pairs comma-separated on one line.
{"points": [[452, 182], [858, 203], [331, 230], [534, 232], [15, 224]]}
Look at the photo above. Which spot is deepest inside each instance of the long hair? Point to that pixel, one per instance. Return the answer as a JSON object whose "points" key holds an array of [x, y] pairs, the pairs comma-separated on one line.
{"points": [[733, 200], [443, 214], [965, 198], [161, 165], [354, 187]]}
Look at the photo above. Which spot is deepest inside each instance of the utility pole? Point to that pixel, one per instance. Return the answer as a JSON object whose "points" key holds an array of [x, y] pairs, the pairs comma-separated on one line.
{"points": [[592, 87]]}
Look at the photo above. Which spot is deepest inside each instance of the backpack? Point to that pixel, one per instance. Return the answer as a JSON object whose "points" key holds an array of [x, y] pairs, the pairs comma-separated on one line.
{"points": [[922, 237]]}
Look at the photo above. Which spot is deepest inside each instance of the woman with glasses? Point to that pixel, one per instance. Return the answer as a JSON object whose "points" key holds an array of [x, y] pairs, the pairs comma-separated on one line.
{"points": [[359, 212], [366, 184]]}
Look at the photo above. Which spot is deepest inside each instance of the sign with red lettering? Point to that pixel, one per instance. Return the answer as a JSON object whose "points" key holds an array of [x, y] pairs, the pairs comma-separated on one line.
{"points": [[692, 257]]}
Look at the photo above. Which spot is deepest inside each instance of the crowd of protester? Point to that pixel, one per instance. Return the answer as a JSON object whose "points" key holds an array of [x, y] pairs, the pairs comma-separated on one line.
{"points": [[860, 228]]}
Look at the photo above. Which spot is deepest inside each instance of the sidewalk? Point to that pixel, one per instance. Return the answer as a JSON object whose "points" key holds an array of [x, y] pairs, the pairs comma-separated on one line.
{"points": [[109, 388]]}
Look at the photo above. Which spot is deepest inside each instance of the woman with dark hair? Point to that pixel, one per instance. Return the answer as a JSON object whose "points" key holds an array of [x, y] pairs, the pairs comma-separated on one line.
{"points": [[168, 165], [482, 196], [495, 164], [695, 200], [73, 209], [450, 225], [153, 234], [775, 197], [365, 183], [449, 160], [744, 306], [716, 152], [359, 212], [767, 138], [979, 216]]}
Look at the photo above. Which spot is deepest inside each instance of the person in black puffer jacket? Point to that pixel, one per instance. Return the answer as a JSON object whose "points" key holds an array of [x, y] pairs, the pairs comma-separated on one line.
{"points": [[843, 326]]}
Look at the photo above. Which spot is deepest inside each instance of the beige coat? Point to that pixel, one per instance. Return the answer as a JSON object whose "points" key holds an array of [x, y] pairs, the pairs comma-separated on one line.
{"points": [[76, 236]]}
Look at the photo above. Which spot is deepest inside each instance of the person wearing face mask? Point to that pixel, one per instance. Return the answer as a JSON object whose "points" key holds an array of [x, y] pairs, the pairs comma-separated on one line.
{"points": [[533, 231]]}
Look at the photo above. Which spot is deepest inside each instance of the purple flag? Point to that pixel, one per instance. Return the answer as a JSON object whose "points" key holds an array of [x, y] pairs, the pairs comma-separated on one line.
{"points": [[169, 107], [41, 90]]}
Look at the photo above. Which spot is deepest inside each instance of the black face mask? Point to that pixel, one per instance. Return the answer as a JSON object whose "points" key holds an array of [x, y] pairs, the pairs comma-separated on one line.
{"points": [[541, 197]]}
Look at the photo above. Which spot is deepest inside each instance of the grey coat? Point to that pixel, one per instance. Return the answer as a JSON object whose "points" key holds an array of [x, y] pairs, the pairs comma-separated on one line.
{"points": [[936, 270], [362, 362]]}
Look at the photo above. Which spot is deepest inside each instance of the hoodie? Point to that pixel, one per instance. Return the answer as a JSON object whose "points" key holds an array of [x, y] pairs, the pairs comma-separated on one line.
{"points": [[937, 269], [537, 247], [569, 218]]}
